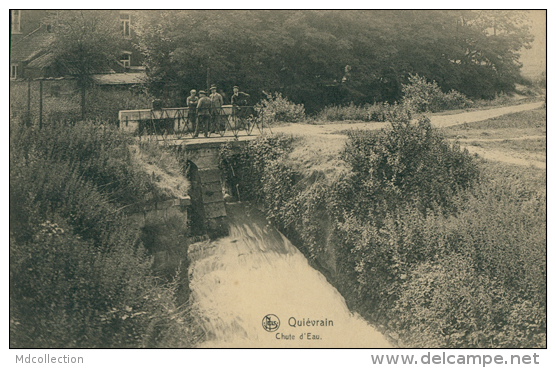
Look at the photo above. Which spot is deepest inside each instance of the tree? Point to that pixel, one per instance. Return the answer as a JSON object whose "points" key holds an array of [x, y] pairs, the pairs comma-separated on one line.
{"points": [[86, 41], [303, 54]]}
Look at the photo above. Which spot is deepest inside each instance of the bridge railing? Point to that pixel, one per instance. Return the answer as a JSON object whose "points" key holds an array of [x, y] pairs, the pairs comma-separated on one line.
{"points": [[182, 123]]}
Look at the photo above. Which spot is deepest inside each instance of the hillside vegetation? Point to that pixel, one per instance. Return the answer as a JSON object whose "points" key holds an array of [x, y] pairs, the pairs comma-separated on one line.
{"points": [[80, 272], [421, 238]]}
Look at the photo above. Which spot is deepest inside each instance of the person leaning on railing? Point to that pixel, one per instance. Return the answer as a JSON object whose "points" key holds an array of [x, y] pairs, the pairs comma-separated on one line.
{"points": [[239, 100], [203, 114]]}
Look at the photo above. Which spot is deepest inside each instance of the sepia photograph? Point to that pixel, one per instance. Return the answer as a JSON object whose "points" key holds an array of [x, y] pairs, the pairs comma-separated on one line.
{"points": [[278, 179]]}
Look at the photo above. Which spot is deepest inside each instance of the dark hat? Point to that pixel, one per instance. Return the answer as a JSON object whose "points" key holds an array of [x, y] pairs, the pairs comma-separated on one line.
{"points": [[202, 92]]}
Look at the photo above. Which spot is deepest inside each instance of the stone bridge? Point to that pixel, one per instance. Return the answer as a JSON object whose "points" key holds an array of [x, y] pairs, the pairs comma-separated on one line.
{"points": [[208, 211]]}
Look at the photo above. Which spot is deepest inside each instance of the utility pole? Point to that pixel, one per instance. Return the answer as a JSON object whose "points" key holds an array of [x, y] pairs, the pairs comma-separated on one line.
{"points": [[28, 117], [40, 103], [208, 79]]}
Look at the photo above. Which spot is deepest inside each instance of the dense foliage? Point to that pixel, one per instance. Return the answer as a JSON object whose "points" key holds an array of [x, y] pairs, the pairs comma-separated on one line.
{"points": [[419, 95], [411, 163], [319, 58], [84, 43], [383, 112], [276, 108], [100, 104], [410, 239], [79, 272]]}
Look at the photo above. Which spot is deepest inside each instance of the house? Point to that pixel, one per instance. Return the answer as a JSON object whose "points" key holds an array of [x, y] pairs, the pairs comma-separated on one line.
{"points": [[32, 32]]}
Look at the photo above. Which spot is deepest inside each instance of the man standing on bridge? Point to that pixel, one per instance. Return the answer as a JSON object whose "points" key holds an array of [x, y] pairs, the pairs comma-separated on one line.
{"points": [[203, 114], [216, 110], [191, 101]]}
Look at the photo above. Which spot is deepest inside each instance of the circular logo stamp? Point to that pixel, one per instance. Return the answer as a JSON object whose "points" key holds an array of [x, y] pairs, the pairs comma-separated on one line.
{"points": [[271, 322]]}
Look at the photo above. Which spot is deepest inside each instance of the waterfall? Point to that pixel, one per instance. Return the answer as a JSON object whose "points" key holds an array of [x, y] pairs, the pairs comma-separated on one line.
{"points": [[255, 289]]}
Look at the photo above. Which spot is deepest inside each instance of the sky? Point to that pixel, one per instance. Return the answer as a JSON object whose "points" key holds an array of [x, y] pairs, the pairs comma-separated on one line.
{"points": [[534, 59]]}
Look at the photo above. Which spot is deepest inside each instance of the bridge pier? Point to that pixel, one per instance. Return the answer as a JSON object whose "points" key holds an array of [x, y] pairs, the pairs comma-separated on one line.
{"points": [[207, 185]]}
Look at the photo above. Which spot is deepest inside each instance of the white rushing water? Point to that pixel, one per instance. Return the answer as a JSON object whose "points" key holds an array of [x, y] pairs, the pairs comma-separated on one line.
{"points": [[238, 280]]}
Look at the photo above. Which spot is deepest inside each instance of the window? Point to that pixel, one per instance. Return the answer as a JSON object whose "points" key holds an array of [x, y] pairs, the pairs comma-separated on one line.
{"points": [[16, 21], [50, 20], [125, 19], [126, 59], [14, 71]]}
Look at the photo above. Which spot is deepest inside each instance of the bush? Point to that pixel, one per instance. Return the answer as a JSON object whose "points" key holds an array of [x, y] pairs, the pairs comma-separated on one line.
{"points": [[377, 112], [411, 163], [100, 105], [422, 96], [79, 273], [447, 304], [100, 153], [499, 99], [244, 170], [277, 108], [343, 113], [415, 236], [104, 104]]}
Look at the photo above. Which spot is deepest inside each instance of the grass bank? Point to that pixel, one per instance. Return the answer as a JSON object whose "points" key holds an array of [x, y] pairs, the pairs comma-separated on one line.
{"points": [[81, 272], [439, 248], [519, 135]]}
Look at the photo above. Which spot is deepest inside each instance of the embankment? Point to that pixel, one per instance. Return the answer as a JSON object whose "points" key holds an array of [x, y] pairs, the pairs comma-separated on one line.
{"points": [[413, 232]]}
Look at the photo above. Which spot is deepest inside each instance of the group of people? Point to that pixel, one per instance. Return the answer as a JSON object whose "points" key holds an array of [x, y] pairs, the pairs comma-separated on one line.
{"points": [[206, 113]]}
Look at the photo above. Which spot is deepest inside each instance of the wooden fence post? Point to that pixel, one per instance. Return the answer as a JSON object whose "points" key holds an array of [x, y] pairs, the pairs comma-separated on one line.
{"points": [[28, 117], [40, 104]]}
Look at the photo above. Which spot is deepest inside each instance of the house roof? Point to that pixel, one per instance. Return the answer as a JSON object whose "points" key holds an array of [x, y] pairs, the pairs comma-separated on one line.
{"points": [[33, 50], [30, 46], [119, 78], [42, 61], [96, 67]]}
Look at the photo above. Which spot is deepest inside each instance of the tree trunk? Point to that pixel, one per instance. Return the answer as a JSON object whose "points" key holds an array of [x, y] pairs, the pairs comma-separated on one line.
{"points": [[83, 88]]}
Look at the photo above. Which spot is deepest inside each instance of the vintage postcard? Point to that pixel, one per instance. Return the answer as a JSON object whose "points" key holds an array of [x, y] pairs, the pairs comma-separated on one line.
{"points": [[278, 179]]}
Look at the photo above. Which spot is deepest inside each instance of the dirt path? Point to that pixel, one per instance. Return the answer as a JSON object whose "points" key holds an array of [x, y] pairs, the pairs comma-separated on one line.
{"points": [[500, 156], [463, 140], [439, 121]]}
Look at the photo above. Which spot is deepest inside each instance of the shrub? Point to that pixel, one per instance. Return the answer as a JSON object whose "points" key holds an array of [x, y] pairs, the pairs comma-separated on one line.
{"points": [[476, 279], [79, 274], [447, 304], [453, 301], [244, 170], [342, 113], [415, 236], [499, 99], [375, 112], [454, 100], [422, 96], [100, 153], [277, 108], [104, 104], [411, 163]]}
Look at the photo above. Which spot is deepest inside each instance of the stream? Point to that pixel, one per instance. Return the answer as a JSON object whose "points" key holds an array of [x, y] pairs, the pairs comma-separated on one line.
{"points": [[254, 289]]}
